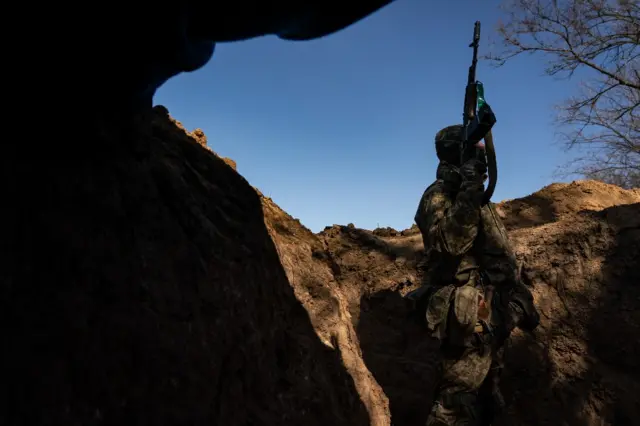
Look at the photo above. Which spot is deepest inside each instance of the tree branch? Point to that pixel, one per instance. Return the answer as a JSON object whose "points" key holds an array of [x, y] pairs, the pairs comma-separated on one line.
{"points": [[603, 38]]}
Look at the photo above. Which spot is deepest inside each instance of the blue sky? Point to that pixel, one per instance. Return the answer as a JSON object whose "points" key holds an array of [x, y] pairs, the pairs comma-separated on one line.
{"points": [[340, 129]]}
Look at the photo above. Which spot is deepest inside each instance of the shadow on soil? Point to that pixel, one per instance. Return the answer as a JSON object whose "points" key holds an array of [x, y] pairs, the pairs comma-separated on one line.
{"points": [[367, 241], [400, 355], [529, 211], [600, 387]]}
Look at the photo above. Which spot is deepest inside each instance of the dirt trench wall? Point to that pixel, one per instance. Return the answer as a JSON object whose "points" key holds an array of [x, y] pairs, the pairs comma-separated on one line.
{"points": [[578, 247], [148, 283], [582, 366], [140, 286], [309, 269]]}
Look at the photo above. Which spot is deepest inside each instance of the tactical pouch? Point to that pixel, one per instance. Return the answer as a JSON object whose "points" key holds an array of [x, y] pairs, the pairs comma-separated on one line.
{"points": [[460, 313], [464, 314], [438, 311]]}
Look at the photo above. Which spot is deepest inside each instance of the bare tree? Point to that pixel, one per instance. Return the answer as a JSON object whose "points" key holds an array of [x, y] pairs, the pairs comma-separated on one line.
{"points": [[599, 40]]}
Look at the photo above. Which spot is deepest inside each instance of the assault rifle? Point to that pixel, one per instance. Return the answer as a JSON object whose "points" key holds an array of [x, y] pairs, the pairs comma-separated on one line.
{"points": [[478, 119]]}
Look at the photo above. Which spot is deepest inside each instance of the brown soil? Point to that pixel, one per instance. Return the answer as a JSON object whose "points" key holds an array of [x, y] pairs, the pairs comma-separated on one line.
{"points": [[151, 284], [562, 200]]}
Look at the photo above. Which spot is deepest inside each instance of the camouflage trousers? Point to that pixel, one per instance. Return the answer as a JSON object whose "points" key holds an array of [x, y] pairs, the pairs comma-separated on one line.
{"points": [[471, 361], [467, 392]]}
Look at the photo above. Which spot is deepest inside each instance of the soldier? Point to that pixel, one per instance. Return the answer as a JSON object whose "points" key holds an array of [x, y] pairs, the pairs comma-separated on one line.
{"points": [[475, 297]]}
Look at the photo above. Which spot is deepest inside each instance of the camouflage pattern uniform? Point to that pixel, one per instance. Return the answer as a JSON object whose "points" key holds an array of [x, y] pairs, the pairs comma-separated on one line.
{"points": [[476, 297]]}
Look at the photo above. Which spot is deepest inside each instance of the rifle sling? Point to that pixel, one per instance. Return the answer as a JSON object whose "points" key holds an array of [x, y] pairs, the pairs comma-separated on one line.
{"points": [[492, 167]]}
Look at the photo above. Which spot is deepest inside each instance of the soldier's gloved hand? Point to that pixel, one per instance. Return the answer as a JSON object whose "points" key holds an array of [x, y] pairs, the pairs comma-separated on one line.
{"points": [[452, 179], [531, 319], [473, 171], [523, 308]]}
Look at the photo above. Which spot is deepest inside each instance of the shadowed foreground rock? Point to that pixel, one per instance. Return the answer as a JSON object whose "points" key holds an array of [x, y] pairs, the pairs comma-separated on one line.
{"points": [[139, 286]]}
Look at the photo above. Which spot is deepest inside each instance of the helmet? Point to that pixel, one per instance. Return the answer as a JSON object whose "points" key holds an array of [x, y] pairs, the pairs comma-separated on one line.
{"points": [[448, 144]]}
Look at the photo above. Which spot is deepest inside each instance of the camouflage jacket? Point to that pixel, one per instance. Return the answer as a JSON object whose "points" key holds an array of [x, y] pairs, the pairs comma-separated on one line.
{"points": [[461, 236]]}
